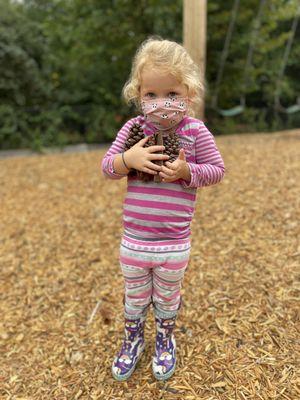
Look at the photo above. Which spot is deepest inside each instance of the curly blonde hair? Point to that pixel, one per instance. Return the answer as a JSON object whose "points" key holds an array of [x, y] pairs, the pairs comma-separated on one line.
{"points": [[168, 56]]}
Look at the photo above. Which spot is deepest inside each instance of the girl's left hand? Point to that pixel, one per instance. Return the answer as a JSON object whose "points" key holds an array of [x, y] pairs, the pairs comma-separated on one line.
{"points": [[175, 170]]}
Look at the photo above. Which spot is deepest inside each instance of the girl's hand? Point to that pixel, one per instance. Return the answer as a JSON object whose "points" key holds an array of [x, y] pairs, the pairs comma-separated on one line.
{"points": [[176, 170], [139, 157]]}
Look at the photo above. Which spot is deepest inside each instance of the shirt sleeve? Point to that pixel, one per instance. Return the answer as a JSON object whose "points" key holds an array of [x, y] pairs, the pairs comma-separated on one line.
{"points": [[209, 167], [116, 147]]}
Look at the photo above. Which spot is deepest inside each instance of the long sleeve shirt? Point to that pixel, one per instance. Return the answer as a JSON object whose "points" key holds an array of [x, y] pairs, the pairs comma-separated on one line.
{"points": [[163, 210]]}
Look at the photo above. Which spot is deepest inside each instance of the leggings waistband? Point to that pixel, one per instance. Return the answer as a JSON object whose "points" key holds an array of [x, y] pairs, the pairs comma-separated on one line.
{"points": [[157, 245]]}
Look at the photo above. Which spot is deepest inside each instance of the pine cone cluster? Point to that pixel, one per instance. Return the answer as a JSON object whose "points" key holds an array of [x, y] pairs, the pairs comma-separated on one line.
{"points": [[171, 143], [172, 146]]}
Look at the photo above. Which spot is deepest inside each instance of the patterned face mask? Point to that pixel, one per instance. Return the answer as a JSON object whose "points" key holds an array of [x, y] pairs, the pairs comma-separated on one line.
{"points": [[164, 113]]}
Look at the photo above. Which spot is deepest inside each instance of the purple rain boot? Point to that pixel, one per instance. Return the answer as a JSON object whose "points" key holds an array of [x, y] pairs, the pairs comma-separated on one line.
{"points": [[164, 361], [132, 349]]}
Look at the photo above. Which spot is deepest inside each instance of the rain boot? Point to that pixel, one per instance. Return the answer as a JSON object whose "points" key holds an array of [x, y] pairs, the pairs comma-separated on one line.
{"points": [[132, 349], [164, 360]]}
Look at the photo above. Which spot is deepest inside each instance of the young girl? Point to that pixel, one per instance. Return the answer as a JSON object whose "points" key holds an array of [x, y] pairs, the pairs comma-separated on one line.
{"points": [[155, 246]]}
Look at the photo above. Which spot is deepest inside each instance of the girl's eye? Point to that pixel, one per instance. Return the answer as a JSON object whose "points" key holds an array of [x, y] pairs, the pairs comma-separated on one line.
{"points": [[172, 94], [150, 95]]}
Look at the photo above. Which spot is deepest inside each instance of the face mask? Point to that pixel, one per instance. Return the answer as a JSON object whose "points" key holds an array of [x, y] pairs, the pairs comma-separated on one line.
{"points": [[164, 113]]}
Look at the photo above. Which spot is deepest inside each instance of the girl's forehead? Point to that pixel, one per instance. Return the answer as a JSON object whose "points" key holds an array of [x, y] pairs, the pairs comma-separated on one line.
{"points": [[155, 73], [154, 77]]}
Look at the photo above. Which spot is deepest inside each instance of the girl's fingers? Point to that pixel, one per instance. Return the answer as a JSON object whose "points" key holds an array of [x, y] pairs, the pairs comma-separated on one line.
{"points": [[150, 171], [170, 165], [167, 178], [155, 148], [154, 166], [159, 157], [141, 142], [167, 171]]}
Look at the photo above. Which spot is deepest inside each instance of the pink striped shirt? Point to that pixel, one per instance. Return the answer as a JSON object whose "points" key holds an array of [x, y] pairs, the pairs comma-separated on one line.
{"points": [[164, 210]]}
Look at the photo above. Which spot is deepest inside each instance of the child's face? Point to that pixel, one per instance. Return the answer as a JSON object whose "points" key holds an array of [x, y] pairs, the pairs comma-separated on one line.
{"points": [[157, 84]]}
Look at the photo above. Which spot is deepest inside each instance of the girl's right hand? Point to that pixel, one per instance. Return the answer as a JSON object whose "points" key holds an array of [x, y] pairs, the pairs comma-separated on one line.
{"points": [[139, 157]]}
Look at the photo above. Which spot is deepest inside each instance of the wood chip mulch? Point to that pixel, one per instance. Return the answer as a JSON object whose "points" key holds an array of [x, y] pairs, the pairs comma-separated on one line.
{"points": [[61, 286]]}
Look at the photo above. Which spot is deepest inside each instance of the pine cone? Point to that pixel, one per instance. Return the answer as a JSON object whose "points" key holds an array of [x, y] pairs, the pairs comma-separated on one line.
{"points": [[136, 133], [172, 146], [171, 143]]}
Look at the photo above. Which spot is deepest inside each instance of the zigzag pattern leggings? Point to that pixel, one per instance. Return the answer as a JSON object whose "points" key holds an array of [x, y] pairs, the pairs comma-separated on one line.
{"points": [[153, 276]]}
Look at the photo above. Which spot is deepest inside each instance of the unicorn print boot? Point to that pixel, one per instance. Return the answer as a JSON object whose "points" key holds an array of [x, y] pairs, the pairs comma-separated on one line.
{"points": [[132, 348], [164, 360]]}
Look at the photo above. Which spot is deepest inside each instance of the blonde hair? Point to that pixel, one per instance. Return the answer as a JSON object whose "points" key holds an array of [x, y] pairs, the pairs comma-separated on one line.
{"points": [[171, 57]]}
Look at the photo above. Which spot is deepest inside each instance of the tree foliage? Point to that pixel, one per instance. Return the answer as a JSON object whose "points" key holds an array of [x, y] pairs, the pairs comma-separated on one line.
{"points": [[64, 63]]}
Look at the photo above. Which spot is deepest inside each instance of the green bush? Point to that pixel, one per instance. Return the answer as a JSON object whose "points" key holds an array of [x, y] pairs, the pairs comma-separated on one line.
{"points": [[64, 62]]}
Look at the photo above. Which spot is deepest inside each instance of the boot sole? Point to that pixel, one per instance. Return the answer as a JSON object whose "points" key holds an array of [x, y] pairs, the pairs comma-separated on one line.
{"points": [[164, 376], [124, 377]]}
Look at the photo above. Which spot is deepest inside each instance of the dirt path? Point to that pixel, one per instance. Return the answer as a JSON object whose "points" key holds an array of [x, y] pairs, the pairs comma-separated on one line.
{"points": [[238, 331]]}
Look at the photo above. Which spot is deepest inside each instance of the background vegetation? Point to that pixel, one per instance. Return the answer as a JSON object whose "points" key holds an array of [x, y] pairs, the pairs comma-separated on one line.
{"points": [[63, 64]]}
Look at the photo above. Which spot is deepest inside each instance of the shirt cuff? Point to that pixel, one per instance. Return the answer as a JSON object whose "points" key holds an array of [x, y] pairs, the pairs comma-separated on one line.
{"points": [[110, 169]]}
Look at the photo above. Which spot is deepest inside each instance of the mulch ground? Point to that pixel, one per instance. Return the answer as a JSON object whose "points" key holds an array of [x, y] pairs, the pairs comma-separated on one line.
{"points": [[61, 285]]}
